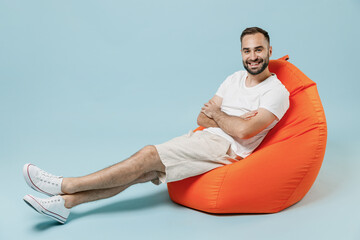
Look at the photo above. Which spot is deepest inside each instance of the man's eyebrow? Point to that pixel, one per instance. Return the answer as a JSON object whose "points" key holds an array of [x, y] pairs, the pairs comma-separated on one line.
{"points": [[258, 47]]}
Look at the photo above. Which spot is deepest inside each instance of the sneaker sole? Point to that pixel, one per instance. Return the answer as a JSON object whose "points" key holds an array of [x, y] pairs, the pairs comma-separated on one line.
{"points": [[29, 182], [29, 200]]}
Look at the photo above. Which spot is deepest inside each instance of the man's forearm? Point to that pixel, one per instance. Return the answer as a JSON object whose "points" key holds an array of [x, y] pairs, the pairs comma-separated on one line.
{"points": [[205, 121], [242, 127], [232, 125]]}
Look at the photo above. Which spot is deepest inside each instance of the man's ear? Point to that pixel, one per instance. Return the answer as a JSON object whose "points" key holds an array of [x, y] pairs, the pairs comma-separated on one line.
{"points": [[270, 51]]}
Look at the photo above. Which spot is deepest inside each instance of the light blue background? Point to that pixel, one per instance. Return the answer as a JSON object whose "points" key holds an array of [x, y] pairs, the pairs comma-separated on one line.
{"points": [[84, 84]]}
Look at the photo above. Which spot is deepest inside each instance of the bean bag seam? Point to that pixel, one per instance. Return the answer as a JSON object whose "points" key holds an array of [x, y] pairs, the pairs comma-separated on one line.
{"points": [[299, 76], [220, 188], [320, 120], [318, 149], [303, 88]]}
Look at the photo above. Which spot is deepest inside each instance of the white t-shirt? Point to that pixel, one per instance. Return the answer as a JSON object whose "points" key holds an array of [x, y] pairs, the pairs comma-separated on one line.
{"points": [[238, 99]]}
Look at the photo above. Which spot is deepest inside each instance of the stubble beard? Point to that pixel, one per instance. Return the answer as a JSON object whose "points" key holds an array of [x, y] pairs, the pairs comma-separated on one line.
{"points": [[265, 63]]}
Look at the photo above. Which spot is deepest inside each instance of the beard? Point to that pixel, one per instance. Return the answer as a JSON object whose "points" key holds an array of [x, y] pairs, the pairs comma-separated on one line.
{"points": [[264, 62]]}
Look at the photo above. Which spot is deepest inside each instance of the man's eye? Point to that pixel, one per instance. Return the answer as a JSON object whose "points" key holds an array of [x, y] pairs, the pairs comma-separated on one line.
{"points": [[258, 50]]}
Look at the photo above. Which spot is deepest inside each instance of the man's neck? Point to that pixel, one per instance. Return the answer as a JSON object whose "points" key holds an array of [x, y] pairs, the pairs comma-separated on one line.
{"points": [[253, 80]]}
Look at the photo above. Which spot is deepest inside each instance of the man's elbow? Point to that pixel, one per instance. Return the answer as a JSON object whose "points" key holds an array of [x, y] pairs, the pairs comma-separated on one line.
{"points": [[244, 134], [202, 120], [198, 121]]}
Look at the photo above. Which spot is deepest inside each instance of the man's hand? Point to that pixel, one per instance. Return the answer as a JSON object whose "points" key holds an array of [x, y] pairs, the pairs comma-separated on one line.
{"points": [[203, 119], [210, 108]]}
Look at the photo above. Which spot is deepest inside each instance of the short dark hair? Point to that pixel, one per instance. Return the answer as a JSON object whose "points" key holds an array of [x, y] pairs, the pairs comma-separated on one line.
{"points": [[253, 30]]}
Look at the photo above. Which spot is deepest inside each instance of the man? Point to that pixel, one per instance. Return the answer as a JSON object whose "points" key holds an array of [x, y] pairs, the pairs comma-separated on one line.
{"points": [[246, 106]]}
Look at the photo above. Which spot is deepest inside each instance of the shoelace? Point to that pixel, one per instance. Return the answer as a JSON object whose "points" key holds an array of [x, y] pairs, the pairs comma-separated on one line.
{"points": [[51, 201], [48, 174]]}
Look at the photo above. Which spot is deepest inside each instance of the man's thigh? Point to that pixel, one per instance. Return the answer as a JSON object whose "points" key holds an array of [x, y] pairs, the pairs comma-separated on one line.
{"points": [[192, 154]]}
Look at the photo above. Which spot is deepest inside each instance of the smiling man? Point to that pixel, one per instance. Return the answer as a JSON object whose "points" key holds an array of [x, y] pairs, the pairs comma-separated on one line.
{"points": [[245, 107], [255, 90]]}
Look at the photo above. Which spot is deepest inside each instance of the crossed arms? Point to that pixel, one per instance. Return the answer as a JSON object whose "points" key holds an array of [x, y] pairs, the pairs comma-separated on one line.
{"points": [[243, 127]]}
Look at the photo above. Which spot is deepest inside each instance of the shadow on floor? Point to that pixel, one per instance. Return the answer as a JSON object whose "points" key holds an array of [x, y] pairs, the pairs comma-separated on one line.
{"points": [[142, 202]]}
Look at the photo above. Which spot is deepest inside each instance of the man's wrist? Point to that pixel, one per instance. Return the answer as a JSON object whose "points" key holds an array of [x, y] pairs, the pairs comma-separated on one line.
{"points": [[217, 115]]}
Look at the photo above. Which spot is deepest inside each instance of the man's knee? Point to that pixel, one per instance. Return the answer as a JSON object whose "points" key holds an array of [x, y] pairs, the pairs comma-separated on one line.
{"points": [[150, 151], [152, 156]]}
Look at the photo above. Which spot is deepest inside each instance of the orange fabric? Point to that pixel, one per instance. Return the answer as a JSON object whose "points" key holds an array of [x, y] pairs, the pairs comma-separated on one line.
{"points": [[280, 171]]}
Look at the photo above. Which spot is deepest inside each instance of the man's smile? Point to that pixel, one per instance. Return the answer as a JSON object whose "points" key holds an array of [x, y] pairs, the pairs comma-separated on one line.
{"points": [[254, 64]]}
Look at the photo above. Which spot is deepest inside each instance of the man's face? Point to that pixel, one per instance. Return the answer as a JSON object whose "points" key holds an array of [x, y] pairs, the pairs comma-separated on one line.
{"points": [[255, 51]]}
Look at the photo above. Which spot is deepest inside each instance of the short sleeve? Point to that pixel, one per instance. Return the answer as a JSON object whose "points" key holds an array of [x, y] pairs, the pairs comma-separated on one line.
{"points": [[223, 87], [276, 100]]}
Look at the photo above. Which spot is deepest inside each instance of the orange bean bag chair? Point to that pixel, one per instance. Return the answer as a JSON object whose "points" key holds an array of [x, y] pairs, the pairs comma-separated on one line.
{"points": [[280, 171]]}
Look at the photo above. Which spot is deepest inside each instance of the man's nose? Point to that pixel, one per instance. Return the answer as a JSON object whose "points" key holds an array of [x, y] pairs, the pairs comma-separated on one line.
{"points": [[253, 56]]}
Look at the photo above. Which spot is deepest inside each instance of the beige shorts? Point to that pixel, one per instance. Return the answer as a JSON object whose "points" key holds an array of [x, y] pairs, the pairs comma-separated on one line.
{"points": [[193, 154]]}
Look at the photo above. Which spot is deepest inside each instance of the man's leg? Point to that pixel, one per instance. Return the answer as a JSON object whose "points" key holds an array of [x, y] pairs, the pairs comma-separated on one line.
{"points": [[117, 176], [72, 200]]}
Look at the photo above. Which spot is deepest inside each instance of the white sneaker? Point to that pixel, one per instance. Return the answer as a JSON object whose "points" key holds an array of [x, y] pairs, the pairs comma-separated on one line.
{"points": [[53, 207], [42, 181]]}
